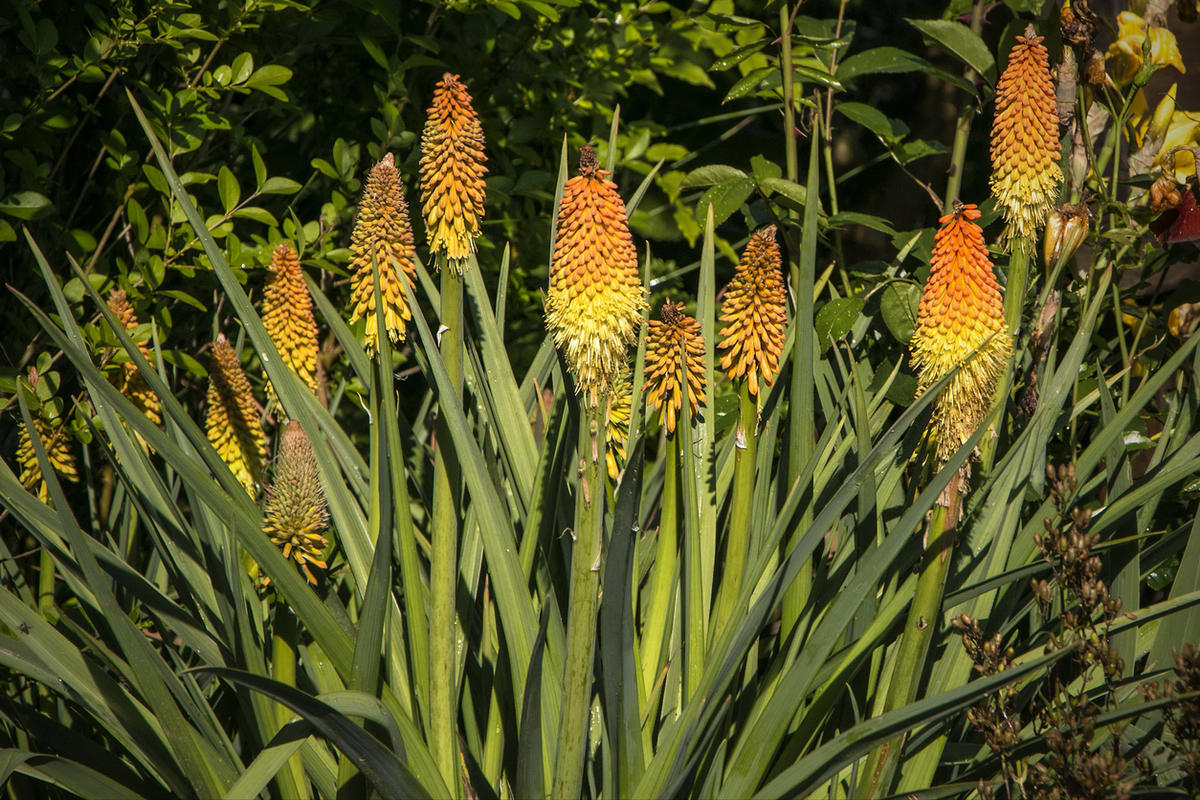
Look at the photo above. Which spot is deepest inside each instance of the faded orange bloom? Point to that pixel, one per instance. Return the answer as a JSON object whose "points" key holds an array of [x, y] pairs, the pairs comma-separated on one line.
{"points": [[756, 312], [288, 317], [960, 322], [674, 360], [452, 170], [58, 451], [1025, 152], [232, 420], [383, 234], [295, 514], [129, 380], [594, 306]]}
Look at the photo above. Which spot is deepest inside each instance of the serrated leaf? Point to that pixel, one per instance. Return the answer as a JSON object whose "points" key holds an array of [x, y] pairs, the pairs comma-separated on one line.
{"points": [[835, 319], [960, 41], [898, 307]]}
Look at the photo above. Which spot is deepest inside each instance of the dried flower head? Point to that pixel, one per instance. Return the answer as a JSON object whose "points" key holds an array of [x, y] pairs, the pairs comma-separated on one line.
{"points": [[756, 312], [674, 360], [452, 170], [961, 312], [594, 306], [232, 420], [58, 450], [295, 514], [620, 406], [1025, 151], [129, 380], [288, 317], [382, 234]]}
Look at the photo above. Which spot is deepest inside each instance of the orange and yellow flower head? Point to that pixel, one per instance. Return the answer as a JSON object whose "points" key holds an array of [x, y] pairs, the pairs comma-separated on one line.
{"points": [[58, 450], [674, 364], [295, 515], [755, 310], [288, 317], [452, 173], [382, 234], [960, 323], [232, 421], [595, 302], [129, 380], [1025, 152]]}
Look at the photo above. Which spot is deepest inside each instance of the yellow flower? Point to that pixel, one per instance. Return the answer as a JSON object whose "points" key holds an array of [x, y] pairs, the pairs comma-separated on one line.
{"points": [[452, 170], [594, 306], [384, 232], [232, 420], [1024, 147], [58, 451], [295, 514], [672, 345], [129, 380], [288, 317], [620, 403], [756, 312], [1133, 34], [961, 312]]}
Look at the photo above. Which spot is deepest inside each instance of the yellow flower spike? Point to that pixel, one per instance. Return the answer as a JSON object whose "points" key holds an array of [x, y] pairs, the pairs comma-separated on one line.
{"points": [[452, 170], [620, 405], [382, 230], [295, 515], [288, 317], [1024, 148], [58, 451], [1134, 36], [232, 420], [594, 305], [671, 343], [961, 312], [129, 380], [756, 312]]}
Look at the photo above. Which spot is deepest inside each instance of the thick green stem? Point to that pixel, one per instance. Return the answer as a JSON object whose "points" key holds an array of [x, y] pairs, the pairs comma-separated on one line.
{"points": [[741, 506], [46, 586], [1018, 276], [581, 614], [443, 568], [284, 636], [924, 616], [666, 558]]}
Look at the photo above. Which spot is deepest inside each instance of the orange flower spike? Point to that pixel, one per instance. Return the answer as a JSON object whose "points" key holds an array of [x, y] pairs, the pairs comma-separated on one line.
{"points": [[960, 321], [382, 230], [232, 420], [756, 312], [595, 302], [288, 316], [129, 380], [1025, 150], [452, 172], [671, 344]]}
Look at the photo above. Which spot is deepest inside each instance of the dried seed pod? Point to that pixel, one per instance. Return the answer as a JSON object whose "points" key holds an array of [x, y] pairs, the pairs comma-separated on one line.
{"points": [[232, 419], [383, 234], [960, 321], [1066, 228], [288, 317], [1025, 152], [452, 172], [594, 306], [295, 514], [674, 364], [756, 312]]}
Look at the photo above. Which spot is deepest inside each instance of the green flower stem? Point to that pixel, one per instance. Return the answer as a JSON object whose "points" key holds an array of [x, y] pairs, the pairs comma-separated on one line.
{"points": [[924, 616], [46, 586], [666, 558], [737, 543], [284, 636], [581, 613], [443, 568], [1018, 276]]}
